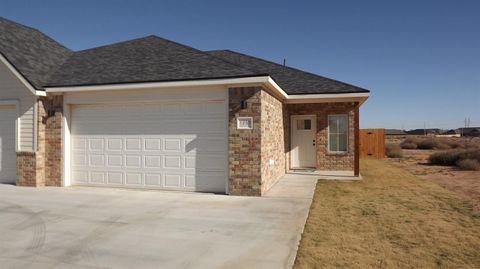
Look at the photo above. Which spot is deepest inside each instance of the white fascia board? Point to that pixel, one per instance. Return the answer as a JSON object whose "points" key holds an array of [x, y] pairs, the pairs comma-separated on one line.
{"points": [[327, 98], [168, 84], [271, 83], [266, 81], [20, 76]]}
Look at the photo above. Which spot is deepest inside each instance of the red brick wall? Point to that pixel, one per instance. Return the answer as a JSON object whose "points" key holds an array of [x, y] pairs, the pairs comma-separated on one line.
{"points": [[326, 160]]}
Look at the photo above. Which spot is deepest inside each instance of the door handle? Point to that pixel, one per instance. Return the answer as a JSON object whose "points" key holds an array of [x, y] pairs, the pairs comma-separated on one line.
{"points": [[314, 142]]}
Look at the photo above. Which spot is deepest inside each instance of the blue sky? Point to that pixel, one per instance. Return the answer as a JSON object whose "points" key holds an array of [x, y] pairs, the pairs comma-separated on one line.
{"points": [[420, 59]]}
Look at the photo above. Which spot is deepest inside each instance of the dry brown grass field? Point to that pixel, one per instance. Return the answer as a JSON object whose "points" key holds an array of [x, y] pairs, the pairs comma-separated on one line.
{"points": [[390, 219], [465, 183]]}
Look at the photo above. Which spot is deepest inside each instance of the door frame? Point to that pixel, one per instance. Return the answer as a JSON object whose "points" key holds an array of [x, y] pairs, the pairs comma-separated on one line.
{"points": [[292, 129]]}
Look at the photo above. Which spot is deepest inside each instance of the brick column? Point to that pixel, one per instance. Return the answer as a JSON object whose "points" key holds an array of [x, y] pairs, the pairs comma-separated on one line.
{"points": [[245, 145], [357, 140], [53, 142], [43, 166]]}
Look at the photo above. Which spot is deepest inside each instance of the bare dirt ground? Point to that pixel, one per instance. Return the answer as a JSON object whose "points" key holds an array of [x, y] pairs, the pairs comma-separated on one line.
{"points": [[465, 183]]}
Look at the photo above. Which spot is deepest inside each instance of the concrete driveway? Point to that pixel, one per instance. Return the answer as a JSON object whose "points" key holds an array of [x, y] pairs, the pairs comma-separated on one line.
{"points": [[111, 228]]}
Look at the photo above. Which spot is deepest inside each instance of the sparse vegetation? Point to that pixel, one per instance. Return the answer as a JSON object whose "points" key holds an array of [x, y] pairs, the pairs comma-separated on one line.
{"points": [[408, 144], [468, 164], [448, 158], [465, 159], [439, 143], [427, 143], [443, 145], [393, 151]]}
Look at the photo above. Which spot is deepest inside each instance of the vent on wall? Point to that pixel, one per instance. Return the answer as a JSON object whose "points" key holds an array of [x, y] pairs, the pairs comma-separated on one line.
{"points": [[245, 123]]}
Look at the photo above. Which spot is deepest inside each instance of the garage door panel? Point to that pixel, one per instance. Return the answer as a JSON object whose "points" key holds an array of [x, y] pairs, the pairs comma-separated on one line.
{"points": [[134, 179], [7, 144], [205, 145], [153, 179], [151, 146], [80, 177]]}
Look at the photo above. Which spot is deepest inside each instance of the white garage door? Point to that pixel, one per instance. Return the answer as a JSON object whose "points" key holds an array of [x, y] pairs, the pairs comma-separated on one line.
{"points": [[178, 146], [8, 156]]}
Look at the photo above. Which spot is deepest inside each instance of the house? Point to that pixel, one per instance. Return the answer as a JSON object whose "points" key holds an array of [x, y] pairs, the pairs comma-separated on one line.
{"points": [[395, 132], [152, 113], [470, 131], [428, 132], [449, 133]]}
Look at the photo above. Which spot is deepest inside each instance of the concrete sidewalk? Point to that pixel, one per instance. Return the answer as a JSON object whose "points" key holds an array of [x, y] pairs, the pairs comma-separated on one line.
{"points": [[112, 228]]}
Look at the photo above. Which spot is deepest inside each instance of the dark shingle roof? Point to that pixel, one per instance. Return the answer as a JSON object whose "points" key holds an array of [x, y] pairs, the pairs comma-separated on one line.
{"points": [[31, 52], [291, 80], [44, 62], [141, 60]]}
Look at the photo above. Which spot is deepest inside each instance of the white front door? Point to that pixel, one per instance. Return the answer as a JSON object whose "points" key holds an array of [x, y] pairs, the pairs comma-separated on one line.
{"points": [[8, 156], [303, 141]]}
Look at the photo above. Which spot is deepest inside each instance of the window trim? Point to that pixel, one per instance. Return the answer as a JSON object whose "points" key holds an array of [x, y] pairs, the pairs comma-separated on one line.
{"points": [[328, 134]]}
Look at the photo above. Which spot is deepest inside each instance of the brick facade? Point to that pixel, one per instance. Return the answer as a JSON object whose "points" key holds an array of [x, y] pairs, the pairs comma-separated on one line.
{"points": [[53, 142], [43, 167], [326, 160], [27, 170], [245, 145], [273, 147], [258, 157]]}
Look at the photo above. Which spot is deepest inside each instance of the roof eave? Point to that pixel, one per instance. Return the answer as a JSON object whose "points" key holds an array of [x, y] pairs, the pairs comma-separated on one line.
{"points": [[264, 80], [359, 97]]}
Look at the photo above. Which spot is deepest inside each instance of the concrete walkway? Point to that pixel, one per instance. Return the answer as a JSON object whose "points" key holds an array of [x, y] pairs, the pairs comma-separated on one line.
{"points": [[112, 228]]}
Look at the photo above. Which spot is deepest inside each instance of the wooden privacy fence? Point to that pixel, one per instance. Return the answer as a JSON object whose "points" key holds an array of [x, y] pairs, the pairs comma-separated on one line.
{"points": [[372, 143]]}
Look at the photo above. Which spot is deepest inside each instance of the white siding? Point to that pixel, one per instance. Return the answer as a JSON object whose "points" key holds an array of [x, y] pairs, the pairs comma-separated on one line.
{"points": [[11, 88], [146, 96]]}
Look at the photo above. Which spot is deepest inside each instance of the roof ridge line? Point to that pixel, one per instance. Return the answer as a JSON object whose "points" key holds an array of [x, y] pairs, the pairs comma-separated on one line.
{"points": [[169, 41], [113, 44], [202, 52]]}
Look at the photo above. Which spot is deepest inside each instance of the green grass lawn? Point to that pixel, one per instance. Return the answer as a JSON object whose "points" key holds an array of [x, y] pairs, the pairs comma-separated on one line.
{"points": [[390, 219]]}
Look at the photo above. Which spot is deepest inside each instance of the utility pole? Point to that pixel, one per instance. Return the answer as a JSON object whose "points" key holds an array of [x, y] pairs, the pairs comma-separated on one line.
{"points": [[424, 128]]}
